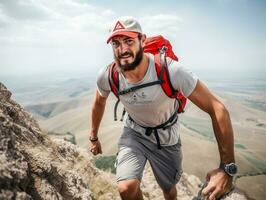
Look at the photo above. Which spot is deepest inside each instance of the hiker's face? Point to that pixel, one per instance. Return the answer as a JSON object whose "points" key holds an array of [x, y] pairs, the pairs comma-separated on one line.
{"points": [[128, 52]]}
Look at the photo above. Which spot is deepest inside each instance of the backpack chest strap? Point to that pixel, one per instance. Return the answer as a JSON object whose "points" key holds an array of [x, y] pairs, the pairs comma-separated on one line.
{"points": [[128, 90]]}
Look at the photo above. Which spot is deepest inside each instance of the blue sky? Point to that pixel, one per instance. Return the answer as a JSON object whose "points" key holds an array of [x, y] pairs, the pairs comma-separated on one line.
{"points": [[222, 37]]}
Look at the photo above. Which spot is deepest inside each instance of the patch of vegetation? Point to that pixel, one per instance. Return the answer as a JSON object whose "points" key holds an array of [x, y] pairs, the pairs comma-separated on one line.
{"points": [[252, 120], [261, 125], [75, 94], [260, 165], [249, 174], [240, 146], [68, 136], [44, 110], [79, 92], [106, 163], [45, 114], [200, 126], [259, 105]]}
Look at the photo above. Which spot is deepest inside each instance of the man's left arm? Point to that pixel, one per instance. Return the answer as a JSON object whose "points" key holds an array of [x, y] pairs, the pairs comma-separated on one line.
{"points": [[219, 182]]}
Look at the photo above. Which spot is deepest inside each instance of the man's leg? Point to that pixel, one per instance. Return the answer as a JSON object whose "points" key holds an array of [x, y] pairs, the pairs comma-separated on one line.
{"points": [[170, 194], [166, 164], [130, 189], [130, 164]]}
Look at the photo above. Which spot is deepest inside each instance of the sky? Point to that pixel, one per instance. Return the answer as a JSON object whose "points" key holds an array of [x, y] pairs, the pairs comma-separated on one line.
{"points": [[219, 37]]}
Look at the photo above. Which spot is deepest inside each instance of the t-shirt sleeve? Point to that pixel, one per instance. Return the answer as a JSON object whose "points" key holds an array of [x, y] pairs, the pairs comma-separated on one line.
{"points": [[103, 86], [182, 78]]}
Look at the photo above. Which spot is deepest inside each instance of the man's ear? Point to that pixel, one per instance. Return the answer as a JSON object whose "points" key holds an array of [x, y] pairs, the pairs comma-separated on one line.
{"points": [[143, 38]]}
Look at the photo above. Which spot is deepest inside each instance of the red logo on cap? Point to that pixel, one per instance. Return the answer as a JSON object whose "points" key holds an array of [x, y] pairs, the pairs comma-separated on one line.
{"points": [[118, 26]]}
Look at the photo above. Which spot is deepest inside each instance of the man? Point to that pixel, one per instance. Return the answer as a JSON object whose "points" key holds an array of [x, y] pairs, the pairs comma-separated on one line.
{"points": [[150, 107]]}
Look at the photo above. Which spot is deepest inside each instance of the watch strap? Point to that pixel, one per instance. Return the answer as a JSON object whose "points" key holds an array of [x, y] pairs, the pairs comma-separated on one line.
{"points": [[93, 139]]}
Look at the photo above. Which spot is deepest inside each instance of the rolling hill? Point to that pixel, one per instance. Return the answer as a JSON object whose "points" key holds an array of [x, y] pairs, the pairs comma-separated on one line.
{"points": [[66, 108]]}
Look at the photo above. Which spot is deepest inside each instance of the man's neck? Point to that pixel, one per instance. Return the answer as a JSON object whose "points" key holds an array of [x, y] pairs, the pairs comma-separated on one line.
{"points": [[134, 76]]}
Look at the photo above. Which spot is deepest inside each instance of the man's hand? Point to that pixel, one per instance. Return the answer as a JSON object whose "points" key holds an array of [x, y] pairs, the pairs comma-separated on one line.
{"points": [[219, 183], [96, 148]]}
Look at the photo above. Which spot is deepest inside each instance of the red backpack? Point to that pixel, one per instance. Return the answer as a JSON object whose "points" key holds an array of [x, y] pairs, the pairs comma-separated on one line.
{"points": [[160, 48]]}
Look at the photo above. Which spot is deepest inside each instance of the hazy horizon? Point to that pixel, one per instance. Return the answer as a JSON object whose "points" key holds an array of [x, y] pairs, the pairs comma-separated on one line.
{"points": [[209, 74]]}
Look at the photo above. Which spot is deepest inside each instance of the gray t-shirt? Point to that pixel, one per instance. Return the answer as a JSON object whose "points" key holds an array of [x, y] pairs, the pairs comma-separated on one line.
{"points": [[150, 106]]}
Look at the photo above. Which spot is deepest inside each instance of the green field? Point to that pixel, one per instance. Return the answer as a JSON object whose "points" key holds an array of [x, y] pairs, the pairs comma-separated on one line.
{"points": [[106, 163], [201, 126]]}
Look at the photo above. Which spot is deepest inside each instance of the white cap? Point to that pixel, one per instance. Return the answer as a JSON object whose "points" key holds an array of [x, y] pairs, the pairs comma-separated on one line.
{"points": [[125, 25]]}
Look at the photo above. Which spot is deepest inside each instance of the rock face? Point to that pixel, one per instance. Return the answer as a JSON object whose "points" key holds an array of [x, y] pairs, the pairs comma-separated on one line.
{"points": [[33, 166]]}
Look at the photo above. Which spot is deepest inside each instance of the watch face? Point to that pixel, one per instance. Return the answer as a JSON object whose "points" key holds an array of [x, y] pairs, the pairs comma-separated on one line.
{"points": [[232, 169]]}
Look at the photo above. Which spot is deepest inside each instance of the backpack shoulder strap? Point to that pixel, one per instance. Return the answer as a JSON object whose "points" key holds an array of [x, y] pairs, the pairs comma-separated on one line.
{"points": [[163, 74], [113, 78]]}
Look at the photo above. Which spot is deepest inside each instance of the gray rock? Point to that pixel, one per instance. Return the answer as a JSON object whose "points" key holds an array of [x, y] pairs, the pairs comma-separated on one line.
{"points": [[32, 166]]}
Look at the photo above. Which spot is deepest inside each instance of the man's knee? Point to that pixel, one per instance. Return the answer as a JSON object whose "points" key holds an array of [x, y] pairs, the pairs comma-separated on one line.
{"points": [[170, 194], [128, 187]]}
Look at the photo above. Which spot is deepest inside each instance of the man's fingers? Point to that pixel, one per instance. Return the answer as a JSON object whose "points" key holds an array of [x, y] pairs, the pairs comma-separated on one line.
{"points": [[208, 189], [208, 177], [218, 185], [93, 151], [100, 150], [214, 195], [96, 150]]}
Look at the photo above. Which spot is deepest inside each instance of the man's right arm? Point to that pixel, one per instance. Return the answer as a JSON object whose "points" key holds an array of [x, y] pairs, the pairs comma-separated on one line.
{"points": [[98, 107]]}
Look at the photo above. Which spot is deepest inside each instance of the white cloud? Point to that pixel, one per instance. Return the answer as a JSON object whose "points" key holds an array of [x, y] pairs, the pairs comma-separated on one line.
{"points": [[24, 10], [63, 19], [161, 24], [67, 34]]}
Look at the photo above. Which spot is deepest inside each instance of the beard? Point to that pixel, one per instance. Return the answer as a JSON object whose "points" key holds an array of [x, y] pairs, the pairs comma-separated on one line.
{"points": [[130, 66]]}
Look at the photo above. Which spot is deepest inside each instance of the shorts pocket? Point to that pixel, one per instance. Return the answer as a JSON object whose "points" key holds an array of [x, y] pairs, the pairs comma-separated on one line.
{"points": [[178, 175], [115, 164]]}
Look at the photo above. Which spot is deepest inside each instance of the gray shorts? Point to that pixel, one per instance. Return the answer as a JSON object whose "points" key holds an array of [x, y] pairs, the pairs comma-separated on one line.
{"points": [[135, 150]]}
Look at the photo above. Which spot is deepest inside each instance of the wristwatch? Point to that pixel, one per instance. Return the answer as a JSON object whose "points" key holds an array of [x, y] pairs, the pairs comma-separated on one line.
{"points": [[230, 169], [93, 139]]}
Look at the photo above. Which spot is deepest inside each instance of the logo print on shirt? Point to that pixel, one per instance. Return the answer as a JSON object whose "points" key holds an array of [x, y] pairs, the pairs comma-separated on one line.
{"points": [[143, 95], [138, 98], [134, 97]]}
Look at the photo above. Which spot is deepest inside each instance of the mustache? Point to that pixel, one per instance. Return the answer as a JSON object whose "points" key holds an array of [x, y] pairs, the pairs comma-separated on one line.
{"points": [[125, 54]]}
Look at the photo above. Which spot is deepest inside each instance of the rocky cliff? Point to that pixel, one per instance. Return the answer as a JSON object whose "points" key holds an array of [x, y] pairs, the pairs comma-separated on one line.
{"points": [[34, 166]]}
